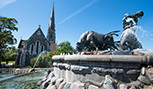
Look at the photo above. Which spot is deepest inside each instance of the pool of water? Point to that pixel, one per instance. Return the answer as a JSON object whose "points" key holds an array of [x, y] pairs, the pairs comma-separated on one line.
{"points": [[6, 75], [28, 81]]}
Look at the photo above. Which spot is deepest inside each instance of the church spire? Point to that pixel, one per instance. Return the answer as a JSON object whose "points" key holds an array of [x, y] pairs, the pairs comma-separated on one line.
{"points": [[52, 14], [51, 29]]}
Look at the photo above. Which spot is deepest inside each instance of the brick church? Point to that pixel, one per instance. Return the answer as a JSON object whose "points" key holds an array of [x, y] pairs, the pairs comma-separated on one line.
{"points": [[37, 43]]}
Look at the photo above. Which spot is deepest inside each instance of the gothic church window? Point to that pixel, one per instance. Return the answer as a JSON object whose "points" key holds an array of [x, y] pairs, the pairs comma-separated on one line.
{"points": [[37, 46], [32, 49], [42, 48]]}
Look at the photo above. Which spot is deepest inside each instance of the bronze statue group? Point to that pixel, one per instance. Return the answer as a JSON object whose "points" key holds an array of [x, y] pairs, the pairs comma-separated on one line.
{"points": [[92, 41]]}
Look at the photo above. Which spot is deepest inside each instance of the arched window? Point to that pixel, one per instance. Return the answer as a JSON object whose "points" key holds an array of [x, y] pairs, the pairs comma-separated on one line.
{"points": [[42, 48], [32, 49], [37, 47]]}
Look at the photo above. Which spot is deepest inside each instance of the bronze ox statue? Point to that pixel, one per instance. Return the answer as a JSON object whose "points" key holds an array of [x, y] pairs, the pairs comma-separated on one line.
{"points": [[90, 41]]}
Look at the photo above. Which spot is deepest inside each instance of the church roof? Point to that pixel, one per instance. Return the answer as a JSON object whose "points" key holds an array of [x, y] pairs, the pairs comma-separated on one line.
{"points": [[38, 32]]}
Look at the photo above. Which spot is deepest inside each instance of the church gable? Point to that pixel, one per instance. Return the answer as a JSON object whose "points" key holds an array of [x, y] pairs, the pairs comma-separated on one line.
{"points": [[37, 42], [38, 34]]}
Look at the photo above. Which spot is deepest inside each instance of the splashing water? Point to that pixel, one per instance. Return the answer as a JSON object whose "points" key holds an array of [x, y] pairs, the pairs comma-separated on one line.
{"points": [[144, 33], [127, 33], [129, 39], [145, 37], [44, 52]]}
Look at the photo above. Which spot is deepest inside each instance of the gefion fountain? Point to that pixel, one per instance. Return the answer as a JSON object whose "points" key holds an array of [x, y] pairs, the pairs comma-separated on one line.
{"points": [[103, 63]]}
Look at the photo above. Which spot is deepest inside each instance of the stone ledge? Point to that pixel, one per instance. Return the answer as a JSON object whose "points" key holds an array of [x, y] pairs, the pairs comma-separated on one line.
{"points": [[93, 68], [106, 58]]}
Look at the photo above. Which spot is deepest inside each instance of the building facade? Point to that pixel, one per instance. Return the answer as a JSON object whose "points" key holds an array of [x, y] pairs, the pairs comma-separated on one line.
{"points": [[37, 43]]}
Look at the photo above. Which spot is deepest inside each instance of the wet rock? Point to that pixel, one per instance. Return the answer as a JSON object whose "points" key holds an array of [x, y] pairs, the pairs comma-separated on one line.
{"points": [[51, 87], [49, 71], [77, 85], [62, 85], [106, 52], [44, 85], [138, 53], [144, 80], [93, 87], [143, 71], [132, 87], [58, 82], [67, 86], [53, 80], [44, 79], [109, 83], [150, 87], [143, 51], [98, 81], [86, 53], [51, 75], [122, 86], [149, 74], [133, 72], [45, 82], [41, 81]]}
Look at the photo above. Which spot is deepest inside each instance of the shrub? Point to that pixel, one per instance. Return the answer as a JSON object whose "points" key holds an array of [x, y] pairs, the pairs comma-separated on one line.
{"points": [[43, 61], [9, 55]]}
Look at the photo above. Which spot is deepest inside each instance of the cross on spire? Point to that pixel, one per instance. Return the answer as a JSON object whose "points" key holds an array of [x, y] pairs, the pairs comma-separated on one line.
{"points": [[39, 25]]}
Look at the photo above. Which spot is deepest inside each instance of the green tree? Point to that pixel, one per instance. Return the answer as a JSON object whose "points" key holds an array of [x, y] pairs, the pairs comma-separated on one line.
{"points": [[10, 54], [7, 25], [65, 47], [45, 60]]}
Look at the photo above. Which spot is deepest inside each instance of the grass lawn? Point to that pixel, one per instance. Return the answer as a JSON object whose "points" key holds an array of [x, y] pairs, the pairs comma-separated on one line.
{"points": [[4, 62]]}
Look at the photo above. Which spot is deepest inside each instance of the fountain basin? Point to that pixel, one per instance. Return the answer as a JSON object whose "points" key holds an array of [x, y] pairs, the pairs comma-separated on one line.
{"points": [[2, 76], [22, 81], [93, 68]]}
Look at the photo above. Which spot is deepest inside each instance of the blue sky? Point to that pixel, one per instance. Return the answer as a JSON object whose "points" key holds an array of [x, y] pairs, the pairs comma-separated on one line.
{"points": [[74, 17]]}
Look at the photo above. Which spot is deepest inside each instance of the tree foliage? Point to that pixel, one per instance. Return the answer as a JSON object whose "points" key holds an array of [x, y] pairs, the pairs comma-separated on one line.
{"points": [[45, 60], [7, 25], [9, 54], [65, 47]]}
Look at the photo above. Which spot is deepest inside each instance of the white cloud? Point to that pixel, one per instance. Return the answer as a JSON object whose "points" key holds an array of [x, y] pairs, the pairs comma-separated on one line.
{"points": [[5, 2], [78, 11]]}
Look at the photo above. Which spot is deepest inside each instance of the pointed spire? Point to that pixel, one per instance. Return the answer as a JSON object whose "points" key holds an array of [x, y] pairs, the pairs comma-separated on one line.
{"points": [[52, 14], [51, 29]]}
